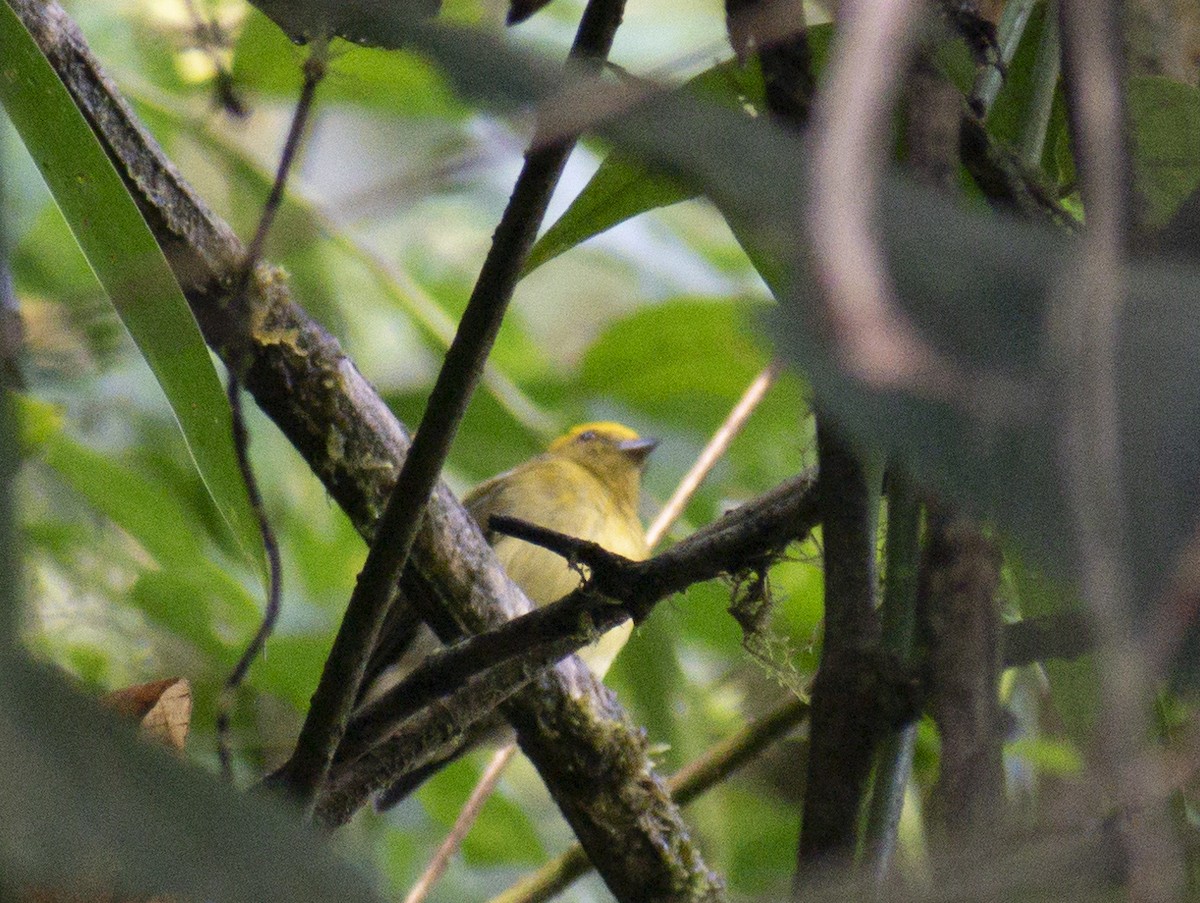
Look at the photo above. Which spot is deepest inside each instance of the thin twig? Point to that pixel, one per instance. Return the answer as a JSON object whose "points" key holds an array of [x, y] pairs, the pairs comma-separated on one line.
{"points": [[712, 453], [241, 446], [462, 825], [690, 782], [397, 528], [1009, 32], [314, 71]]}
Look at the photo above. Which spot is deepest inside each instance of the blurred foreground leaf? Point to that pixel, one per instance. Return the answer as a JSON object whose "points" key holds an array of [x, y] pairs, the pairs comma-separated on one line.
{"points": [[86, 806], [372, 23], [392, 82]]}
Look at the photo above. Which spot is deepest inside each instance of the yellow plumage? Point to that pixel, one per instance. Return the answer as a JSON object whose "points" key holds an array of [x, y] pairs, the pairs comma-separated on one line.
{"points": [[587, 485]]}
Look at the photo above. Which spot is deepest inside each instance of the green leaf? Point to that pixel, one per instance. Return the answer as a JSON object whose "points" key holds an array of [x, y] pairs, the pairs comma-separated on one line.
{"points": [[676, 369], [758, 851], [291, 666], [1007, 116], [660, 361], [152, 517], [619, 190], [622, 188], [111, 814], [1165, 116], [503, 833], [1052, 757], [129, 264]]}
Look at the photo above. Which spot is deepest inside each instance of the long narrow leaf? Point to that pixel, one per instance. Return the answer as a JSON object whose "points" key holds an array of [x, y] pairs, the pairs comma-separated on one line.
{"points": [[129, 265]]}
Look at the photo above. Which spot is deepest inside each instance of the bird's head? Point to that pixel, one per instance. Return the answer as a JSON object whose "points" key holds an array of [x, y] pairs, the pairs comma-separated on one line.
{"points": [[613, 452]]}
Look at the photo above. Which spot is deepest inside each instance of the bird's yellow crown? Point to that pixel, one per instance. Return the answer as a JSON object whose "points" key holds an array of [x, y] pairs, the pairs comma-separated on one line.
{"points": [[603, 429]]}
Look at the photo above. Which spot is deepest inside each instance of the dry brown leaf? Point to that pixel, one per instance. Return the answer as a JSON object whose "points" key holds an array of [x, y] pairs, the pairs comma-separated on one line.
{"points": [[162, 707]]}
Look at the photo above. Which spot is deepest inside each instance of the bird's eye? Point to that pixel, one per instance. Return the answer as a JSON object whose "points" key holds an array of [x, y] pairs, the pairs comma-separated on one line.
{"points": [[587, 436]]}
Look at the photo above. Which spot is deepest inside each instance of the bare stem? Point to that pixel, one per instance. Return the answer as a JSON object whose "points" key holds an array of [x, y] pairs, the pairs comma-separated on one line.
{"points": [[462, 825], [712, 453]]}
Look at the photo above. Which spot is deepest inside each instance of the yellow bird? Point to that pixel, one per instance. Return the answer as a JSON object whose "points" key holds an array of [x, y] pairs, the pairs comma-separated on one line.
{"points": [[587, 484]]}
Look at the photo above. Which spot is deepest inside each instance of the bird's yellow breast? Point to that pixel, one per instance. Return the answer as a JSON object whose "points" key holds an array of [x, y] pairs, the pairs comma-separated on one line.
{"points": [[559, 495]]}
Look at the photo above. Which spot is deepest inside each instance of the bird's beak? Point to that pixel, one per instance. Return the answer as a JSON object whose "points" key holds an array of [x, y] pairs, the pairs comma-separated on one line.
{"points": [[637, 450]]}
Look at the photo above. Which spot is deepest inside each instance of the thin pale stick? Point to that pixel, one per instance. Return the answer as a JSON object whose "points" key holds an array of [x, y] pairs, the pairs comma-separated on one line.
{"points": [[463, 824], [713, 452]]}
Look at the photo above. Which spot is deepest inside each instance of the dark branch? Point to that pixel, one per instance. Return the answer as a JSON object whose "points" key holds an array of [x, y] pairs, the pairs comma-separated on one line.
{"points": [[420, 738], [1059, 636], [846, 726]]}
